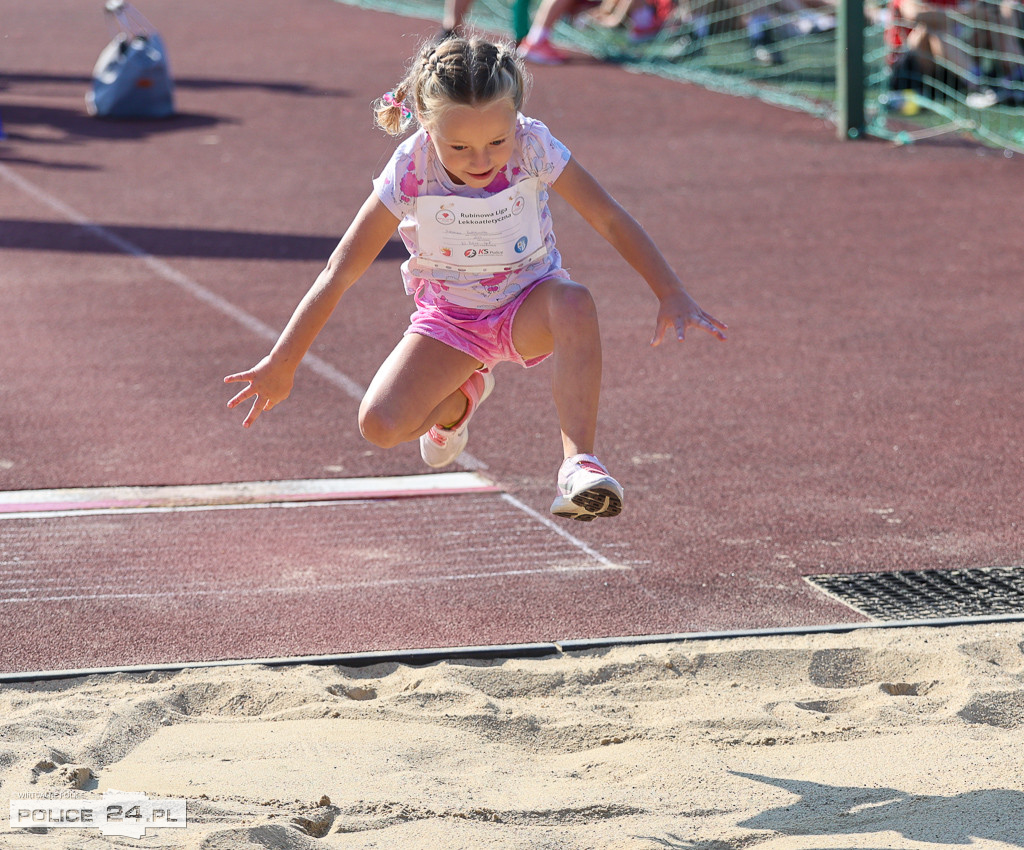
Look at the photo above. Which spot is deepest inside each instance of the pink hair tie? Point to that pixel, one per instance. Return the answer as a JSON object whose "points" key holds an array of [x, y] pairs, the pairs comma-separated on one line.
{"points": [[389, 100]]}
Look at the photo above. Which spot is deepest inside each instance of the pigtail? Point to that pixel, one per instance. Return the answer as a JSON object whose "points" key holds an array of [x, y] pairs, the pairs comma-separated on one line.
{"points": [[391, 112]]}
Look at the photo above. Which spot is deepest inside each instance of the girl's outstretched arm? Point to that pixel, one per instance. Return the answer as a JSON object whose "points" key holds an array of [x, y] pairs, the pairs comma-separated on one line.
{"points": [[270, 381], [677, 310]]}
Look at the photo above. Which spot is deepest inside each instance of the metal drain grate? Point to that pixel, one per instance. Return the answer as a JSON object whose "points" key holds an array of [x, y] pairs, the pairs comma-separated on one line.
{"points": [[929, 594]]}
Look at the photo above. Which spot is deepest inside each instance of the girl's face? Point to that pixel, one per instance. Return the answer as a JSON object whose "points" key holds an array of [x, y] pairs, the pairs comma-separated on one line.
{"points": [[474, 142]]}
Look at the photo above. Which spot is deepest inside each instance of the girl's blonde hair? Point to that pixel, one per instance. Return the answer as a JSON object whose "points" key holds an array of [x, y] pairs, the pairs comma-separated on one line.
{"points": [[458, 71]]}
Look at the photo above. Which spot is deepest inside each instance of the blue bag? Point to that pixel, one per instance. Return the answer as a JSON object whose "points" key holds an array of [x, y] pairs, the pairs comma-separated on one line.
{"points": [[132, 78]]}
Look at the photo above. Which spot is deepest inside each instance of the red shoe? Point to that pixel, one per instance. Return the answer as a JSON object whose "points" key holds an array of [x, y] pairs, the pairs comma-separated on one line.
{"points": [[541, 52]]}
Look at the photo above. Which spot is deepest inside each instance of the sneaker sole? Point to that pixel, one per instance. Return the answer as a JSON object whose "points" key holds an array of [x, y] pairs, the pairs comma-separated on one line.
{"points": [[589, 504]]}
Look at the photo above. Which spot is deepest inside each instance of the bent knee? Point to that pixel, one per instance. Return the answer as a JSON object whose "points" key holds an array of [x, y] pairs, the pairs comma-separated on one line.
{"points": [[571, 301], [380, 428]]}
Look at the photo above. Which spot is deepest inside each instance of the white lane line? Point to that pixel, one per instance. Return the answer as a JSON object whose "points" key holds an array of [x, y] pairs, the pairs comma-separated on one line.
{"points": [[549, 523], [321, 367], [184, 497]]}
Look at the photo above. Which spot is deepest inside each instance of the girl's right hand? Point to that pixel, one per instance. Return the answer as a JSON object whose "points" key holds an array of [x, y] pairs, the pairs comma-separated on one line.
{"points": [[268, 386]]}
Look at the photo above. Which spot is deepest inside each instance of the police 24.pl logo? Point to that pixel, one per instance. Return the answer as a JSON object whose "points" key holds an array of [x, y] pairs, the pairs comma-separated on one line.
{"points": [[117, 813]]}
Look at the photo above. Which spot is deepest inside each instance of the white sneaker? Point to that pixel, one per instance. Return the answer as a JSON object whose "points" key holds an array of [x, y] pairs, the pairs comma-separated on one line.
{"points": [[440, 446], [982, 99], [586, 490]]}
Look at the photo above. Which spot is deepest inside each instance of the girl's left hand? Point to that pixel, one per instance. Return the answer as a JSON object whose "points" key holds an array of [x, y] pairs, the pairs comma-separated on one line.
{"points": [[679, 312]]}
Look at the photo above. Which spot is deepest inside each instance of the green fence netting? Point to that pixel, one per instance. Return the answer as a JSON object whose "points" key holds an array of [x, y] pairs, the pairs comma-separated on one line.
{"points": [[785, 52]]}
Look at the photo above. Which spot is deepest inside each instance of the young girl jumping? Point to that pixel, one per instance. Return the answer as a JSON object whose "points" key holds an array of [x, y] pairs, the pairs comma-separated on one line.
{"points": [[468, 192]]}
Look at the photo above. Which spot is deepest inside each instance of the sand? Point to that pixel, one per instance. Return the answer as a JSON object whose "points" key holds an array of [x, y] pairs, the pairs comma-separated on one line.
{"points": [[876, 738]]}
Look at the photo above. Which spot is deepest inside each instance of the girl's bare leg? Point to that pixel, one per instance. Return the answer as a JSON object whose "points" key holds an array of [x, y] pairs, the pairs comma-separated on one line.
{"points": [[455, 12], [559, 317], [415, 388]]}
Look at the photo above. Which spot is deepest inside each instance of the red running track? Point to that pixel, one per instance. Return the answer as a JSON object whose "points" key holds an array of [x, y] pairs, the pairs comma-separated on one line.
{"points": [[866, 413]]}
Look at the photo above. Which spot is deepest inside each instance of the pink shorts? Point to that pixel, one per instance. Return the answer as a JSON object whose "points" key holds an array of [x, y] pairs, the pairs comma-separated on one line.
{"points": [[483, 334]]}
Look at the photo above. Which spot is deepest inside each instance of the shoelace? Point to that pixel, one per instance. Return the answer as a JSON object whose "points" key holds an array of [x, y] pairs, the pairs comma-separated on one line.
{"points": [[436, 435]]}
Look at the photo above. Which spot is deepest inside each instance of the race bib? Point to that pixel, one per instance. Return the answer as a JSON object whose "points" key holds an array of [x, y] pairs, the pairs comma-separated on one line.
{"points": [[481, 235]]}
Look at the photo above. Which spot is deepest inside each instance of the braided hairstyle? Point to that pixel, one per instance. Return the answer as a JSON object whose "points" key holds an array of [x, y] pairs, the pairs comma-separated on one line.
{"points": [[458, 71]]}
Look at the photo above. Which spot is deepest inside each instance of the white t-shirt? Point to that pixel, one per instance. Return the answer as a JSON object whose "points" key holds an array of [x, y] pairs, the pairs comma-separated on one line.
{"points": [[415, 171]]}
